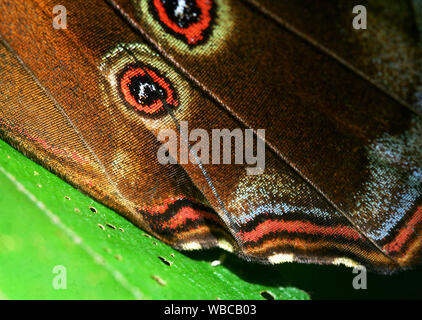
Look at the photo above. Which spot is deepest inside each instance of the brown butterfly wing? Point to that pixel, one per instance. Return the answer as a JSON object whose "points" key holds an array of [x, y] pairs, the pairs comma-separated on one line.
{"points": [[388, 51], [288, 213], [350, 135], [56, 111]]}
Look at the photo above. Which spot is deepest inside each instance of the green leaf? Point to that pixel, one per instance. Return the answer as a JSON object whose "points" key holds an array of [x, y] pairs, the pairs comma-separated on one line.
{"points": [[44, 223]]}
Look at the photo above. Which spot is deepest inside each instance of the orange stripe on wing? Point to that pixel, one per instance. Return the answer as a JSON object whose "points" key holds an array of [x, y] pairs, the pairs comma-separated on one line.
{"points": [[405, 233], [273, 226]]}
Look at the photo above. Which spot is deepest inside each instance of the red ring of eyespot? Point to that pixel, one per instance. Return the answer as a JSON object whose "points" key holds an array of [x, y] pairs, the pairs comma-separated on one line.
{"points": [[157, 106], [195, 32]]}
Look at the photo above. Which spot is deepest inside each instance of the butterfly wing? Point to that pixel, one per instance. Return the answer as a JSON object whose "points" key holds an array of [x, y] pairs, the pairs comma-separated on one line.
{"points": [[388, 51], [350, 135], [349, 194], [55, 109]]}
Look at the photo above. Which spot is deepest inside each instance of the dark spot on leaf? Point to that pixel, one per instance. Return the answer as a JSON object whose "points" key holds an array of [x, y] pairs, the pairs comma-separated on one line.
{"points": [[93, 209], [267, 295], [165, 261], [110, 226], [118, 257]]}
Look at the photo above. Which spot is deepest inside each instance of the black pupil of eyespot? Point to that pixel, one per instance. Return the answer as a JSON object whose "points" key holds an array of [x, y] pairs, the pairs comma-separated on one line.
{"points": [[182, 12], [145, 90]]}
